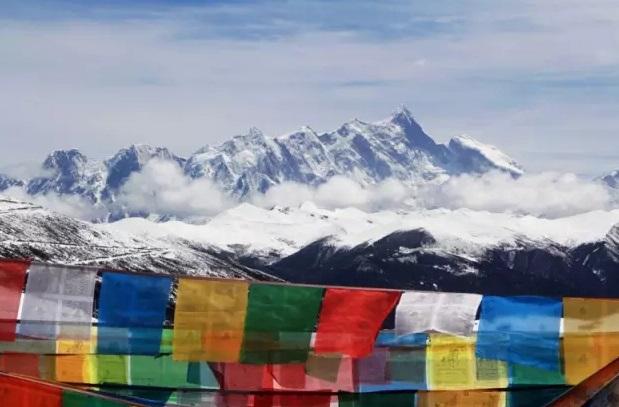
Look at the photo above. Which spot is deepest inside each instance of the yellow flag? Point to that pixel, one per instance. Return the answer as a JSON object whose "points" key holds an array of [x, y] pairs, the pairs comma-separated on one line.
{"points": [[591, 336], [75, 369], [452, 365], [477, 398], [590, 315], [450, 362], [209, 320], [491, 374], [585, 354], [77, 346]]}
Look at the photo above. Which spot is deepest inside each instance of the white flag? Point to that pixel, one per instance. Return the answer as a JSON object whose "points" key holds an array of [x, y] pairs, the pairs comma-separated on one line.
{"points": [[451, 313], [58, 303]]}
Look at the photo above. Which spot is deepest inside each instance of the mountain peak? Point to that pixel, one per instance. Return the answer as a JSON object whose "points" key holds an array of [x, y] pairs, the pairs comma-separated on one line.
{"points": [[402, 115], [612, 179], [475, 156], [59, 159]]}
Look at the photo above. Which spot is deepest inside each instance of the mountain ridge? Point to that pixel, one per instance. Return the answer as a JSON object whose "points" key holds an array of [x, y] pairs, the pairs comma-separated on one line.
{"points": [[251, 163]]}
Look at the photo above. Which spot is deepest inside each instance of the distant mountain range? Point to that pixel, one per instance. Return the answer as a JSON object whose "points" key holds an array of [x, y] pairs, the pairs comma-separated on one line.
{"points": [[436, 249], [366, 152], [444, 250]]}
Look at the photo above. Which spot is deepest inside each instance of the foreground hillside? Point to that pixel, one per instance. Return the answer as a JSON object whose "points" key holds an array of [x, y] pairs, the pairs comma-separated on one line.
{"points": [[29, 231], [449, 250]]}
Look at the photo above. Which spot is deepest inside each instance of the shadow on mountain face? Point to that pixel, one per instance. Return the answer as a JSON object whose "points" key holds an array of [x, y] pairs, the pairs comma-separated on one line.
{"points": [[412, 260]]}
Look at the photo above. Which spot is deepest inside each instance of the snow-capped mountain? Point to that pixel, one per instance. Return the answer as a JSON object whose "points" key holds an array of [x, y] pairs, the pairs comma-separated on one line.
{"points": [[612, 179], [7, 182], [366, 152], [449, 250], [68, 172], [130, 160], [29, 231]]}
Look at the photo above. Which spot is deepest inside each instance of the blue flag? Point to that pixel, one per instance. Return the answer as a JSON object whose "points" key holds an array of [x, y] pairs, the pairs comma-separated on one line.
{"points": [[521, 330], [131, 313]]}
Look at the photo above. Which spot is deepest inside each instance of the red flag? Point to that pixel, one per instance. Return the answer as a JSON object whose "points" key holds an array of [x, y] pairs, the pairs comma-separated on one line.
{"points": [[25, 393], [12, 278], [245, 377], [303, 400], [350, 320], [21, 363]]}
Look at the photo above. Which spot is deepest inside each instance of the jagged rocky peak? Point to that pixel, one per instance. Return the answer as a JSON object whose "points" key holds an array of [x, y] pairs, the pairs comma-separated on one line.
{"points": [[612, 179], [132, 159], [403, 118], [67, 172], [613, 236], [66, 162], [7, 181]]}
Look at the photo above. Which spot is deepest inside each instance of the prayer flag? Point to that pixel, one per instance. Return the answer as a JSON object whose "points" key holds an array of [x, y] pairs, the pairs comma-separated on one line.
{"points": [[301, 400], [20, 363], [21, 345], [478, 398], [408, 366], [330, 373], [76, 399], [209, 320], [131, 313], [376, 399], [12, 277], [279, 323], [450, 362], [520, 375], [451, 313], [111, 369], [75, 369], [372, 369], [590, 315], [288, 377], [521, 330], [25, 393], [389, 339], [58, 302], [350, 320], [244, 377], [163, 371], [585, 354], [490, 374]]}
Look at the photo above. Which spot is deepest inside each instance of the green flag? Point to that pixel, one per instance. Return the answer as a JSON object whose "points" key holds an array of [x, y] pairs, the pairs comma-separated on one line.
{"points": [[279, 323]]}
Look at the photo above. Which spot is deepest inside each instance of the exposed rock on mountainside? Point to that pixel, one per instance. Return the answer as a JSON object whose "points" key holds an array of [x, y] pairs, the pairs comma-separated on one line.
{"points": [[246, 164], [28, 231]]}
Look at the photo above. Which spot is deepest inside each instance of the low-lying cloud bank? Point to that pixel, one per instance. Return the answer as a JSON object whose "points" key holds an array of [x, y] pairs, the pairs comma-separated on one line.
{"points": [[549, 195], [162, 188]]}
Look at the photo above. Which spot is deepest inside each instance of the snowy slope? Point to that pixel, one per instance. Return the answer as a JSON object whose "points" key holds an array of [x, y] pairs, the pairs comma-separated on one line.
{"points": [[286, 230], [458, 250], [473, 154], [34, 232]]}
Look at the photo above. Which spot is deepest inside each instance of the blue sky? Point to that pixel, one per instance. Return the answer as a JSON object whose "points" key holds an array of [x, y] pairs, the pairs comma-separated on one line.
{"points": [[538, 79]]}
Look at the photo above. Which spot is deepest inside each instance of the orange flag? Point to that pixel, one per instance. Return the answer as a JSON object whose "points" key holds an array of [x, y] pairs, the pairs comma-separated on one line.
{"points": [[350, 320]]}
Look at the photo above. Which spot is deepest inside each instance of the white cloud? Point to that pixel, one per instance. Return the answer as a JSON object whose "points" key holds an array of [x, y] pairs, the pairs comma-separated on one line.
{"points": [[337, 192], [162, 188], [70, 205], [549, 195]]}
